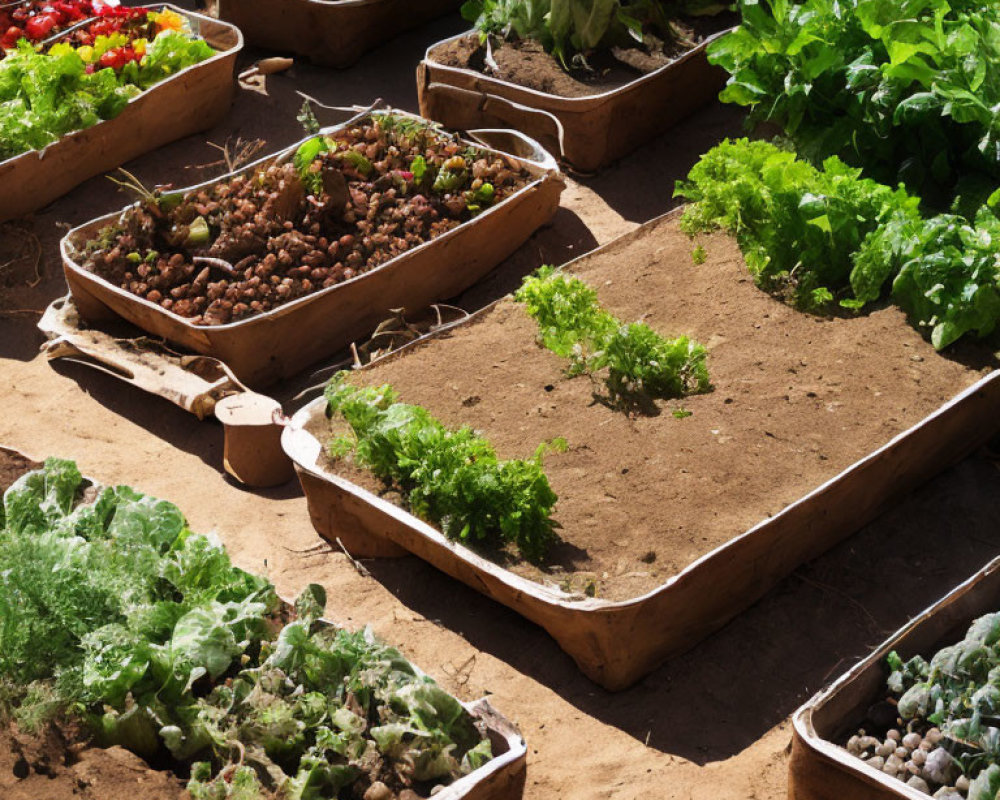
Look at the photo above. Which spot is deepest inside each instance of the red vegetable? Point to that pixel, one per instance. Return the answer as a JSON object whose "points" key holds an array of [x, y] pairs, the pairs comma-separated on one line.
{"points": [[40, 26], [10, 38]]}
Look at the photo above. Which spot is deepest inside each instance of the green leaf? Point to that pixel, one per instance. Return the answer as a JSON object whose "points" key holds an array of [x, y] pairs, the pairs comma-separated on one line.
{"points": [[310, 603]]}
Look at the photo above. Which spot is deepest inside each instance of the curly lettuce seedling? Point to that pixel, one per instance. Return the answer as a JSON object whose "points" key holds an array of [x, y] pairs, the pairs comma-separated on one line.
{"points": [[639, 361], [452, 478]]}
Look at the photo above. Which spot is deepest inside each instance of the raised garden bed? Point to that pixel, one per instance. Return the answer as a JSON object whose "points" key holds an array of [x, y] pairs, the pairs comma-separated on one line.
{"points": [[673, 525], [149, 676], [188, 101], [821, 768], [588, 120], [333, 33], [347, 283]]}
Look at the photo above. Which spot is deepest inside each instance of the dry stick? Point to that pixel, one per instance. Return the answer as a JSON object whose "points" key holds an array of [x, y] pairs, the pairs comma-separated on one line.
{"points": [[461, 673], [316, 550], [21, 311], [362, 570], [236, 154], [218, 263]]}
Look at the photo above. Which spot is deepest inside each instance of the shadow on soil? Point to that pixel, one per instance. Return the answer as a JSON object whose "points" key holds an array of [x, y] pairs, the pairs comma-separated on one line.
{"points": [[640, 186], [176, 427], [757, 670]]}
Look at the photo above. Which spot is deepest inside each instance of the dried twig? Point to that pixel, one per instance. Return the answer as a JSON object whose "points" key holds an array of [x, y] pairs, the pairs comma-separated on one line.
{"points": [[361, 569], [218, 263], [235, 154], [322, 548], [461, 673]]}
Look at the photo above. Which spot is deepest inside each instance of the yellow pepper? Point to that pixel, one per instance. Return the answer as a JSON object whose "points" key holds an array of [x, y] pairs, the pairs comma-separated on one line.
{"points": [[168, 20]]}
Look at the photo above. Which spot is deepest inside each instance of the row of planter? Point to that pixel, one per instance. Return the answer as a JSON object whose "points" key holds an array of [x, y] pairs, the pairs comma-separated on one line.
{"points": [[587, 132], [921, 433], [750, 553]]}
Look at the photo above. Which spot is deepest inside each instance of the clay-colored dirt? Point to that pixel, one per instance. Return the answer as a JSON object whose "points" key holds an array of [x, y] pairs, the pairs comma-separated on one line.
{"points": [[49, 766], [711, 725]]}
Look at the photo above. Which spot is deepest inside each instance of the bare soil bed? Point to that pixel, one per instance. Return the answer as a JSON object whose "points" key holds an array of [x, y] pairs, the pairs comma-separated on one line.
{"points": [[797, 398], [525, 62]]}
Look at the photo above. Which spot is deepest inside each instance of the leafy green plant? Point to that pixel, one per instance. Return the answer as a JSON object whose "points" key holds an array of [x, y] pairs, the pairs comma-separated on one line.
{"points": [[804, 232], [824, 234], [956, 691], [906, 90], [113, 612], [639, 361], [948, 274], [570, 29], [452, 478], [47, 95]]}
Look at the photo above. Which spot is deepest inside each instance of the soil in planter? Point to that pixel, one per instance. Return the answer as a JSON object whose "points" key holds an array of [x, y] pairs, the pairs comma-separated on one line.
{"points": [[797, 399], [524, 61], [56, 765], [12, 466]]}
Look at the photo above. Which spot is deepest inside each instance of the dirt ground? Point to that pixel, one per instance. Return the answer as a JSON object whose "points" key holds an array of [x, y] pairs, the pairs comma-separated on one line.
{"points": [[712, 724]]}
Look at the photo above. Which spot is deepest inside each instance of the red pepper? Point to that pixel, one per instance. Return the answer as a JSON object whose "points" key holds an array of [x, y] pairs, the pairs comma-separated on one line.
{"points": [[40, 26], [113, 59], [10, 38]]}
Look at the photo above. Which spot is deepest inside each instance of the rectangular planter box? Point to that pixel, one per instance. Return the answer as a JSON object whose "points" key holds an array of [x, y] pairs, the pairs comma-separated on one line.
{"points": [[280, 343], [501, 778], [194, 99], [332, 33], [587, 132], [616, 643], [820, 769]]}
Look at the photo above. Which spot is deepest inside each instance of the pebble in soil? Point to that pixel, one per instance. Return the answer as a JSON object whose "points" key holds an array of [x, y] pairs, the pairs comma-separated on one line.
{"points": [[918, 759]]}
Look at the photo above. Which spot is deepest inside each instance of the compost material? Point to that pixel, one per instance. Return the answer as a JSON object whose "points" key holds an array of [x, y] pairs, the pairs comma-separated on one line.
{"points": [[797, 399]]}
